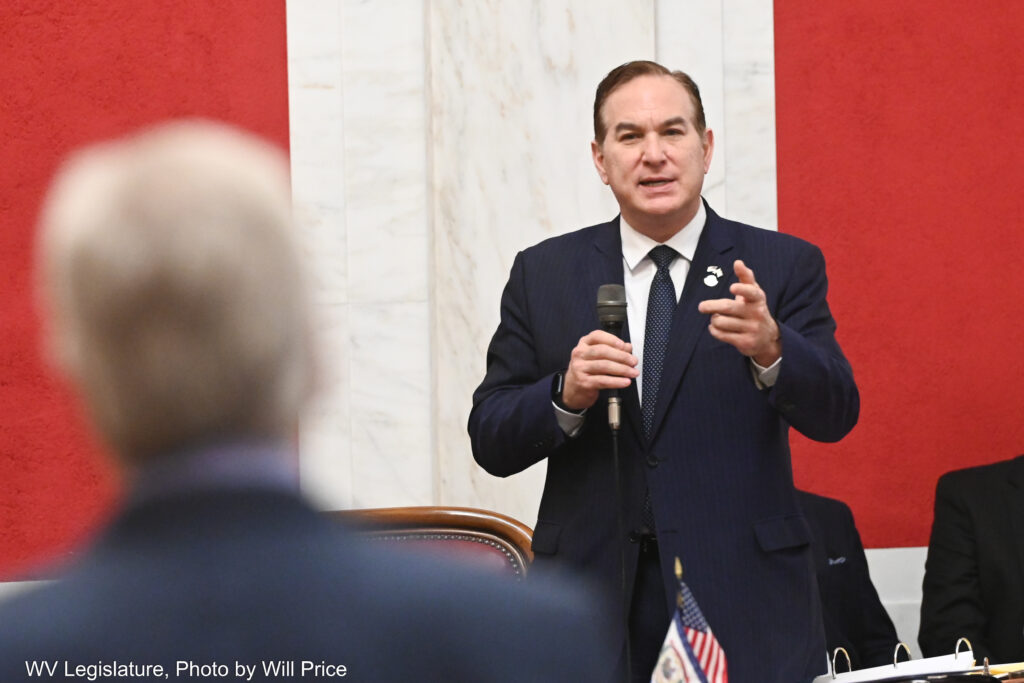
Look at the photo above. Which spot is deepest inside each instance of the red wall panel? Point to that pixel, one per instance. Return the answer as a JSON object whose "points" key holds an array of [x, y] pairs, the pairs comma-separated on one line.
{"points": [[899, 153], [71, 73]]}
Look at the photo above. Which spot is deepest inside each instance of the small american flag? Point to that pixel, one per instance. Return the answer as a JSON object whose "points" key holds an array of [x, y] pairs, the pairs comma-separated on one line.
{"points": [[690, 653]]}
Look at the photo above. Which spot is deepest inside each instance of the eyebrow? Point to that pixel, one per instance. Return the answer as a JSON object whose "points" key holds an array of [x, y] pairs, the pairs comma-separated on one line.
{"points": [[667, 123]]}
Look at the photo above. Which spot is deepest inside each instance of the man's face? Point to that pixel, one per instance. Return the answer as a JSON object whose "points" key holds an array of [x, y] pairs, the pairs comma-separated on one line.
{"points": [[652, 156]]}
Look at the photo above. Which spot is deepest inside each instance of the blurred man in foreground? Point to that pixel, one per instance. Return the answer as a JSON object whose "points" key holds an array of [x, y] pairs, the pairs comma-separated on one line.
{"points": [[176, 303]]}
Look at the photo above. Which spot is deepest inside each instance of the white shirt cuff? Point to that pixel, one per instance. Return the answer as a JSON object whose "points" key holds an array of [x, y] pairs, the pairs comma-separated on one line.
{"points": [[765, 377], [571, 423]]}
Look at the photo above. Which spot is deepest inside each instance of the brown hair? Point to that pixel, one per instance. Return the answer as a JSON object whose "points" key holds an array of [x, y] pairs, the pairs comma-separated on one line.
{"points": [[623, 74]]}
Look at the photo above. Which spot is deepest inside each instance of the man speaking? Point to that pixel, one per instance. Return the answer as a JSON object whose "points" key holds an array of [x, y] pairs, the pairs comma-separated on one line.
{"points": [[728, 342]]}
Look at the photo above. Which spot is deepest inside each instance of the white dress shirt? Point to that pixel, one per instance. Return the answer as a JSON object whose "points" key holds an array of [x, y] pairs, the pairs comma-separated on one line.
{"points": [[638, 272]]}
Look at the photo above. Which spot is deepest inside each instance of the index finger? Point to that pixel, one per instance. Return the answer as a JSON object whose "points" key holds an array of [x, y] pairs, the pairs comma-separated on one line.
{"points": [[743, 273]]}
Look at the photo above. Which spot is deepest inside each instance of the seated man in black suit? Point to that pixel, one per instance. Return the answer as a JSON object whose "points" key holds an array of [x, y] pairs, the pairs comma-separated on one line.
{"points": [[177, 305], [974, 574], [855, 618]]}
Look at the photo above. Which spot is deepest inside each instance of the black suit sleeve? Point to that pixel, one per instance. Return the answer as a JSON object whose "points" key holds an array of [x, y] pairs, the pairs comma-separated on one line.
{"points": [[951, 604]]}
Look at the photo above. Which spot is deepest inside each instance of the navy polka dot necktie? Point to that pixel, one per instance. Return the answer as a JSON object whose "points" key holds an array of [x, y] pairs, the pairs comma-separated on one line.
{"points": [[661, 303]]}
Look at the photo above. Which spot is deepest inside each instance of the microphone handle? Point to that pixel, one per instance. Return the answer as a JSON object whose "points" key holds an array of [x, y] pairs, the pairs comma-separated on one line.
{"points": [[614, 402], [614, 410]]}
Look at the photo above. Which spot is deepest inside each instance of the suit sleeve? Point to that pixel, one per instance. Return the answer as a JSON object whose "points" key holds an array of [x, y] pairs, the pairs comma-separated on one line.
{"points": [[815, 390], [512, 424], [951, 603]]}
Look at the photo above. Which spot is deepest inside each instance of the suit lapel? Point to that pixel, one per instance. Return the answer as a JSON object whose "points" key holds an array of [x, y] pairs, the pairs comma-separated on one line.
{"points": [[689, 324], [607, 269]]}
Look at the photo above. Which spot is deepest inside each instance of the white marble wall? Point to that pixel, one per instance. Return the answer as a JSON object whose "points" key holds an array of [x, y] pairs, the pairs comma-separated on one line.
{"points": [[358, 106], [432, 140], [897, 574]]}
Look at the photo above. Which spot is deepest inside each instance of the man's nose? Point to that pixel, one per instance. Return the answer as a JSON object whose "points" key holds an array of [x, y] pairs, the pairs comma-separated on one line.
{"points": [[652, 150]]}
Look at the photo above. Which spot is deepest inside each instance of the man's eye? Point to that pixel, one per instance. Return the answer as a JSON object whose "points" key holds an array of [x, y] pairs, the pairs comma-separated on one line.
{"points": [[673, 131], [629, 136]]}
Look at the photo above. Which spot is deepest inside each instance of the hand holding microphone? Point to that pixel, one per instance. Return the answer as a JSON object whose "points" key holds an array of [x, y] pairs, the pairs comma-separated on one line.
{"points": [[601, 360]]}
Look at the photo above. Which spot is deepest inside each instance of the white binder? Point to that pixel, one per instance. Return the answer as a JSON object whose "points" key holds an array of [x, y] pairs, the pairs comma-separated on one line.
{"points": [[958, 662]]}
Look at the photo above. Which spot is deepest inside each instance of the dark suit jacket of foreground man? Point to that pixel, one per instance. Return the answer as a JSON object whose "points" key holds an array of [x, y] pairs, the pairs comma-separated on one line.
{"points": [[253, 574], [855, 618], [718, 463], [974, 575]]}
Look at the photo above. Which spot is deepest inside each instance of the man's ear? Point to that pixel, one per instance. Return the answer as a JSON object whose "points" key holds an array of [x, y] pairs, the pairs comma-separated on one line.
{"points": [[598, 156], [709, 148]]}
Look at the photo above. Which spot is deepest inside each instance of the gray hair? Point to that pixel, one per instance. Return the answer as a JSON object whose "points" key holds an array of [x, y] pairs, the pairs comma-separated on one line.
{"points": [[173, 289]]}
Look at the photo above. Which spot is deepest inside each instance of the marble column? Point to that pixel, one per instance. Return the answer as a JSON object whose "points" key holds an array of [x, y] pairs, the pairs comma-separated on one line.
{"points": [[359, 163]]}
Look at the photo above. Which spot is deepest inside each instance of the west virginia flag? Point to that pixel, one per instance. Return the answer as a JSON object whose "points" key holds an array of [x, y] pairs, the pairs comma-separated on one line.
{"points": [[690, 653]]}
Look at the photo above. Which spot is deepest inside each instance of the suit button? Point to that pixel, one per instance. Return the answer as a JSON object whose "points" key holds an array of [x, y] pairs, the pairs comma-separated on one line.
{"points": [[652, 462], [634, 536]]}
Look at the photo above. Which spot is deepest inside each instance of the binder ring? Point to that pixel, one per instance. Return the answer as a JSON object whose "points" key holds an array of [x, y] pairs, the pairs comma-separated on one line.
{"points": [[956, 650], [835, 653], [896, 653]]}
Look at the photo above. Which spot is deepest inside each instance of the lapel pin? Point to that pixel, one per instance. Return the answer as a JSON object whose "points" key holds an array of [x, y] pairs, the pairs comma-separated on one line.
{"points": [[711, 279]]}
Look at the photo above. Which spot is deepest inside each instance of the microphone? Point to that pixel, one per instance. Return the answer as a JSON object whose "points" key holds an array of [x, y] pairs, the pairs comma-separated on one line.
{"points": [[611, 308], [611, 313]]}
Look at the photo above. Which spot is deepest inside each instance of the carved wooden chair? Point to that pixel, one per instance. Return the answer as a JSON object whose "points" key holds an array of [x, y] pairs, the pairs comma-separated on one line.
{"points": [[488, 539]]}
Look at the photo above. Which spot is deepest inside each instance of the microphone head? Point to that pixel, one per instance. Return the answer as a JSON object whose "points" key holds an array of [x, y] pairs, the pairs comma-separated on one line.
{"points": [[611, 307]]}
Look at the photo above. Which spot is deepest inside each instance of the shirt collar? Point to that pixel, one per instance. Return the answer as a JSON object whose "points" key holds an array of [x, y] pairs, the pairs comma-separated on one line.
{"points": [[635, 246]]}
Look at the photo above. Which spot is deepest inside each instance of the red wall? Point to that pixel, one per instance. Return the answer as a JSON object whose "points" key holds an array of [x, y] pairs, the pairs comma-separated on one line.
{"points": [[70, 73], [900, 153]]}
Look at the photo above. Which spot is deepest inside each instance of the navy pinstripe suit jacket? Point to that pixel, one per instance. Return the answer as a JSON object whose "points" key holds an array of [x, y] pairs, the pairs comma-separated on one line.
{"points": [[717, 465]]}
